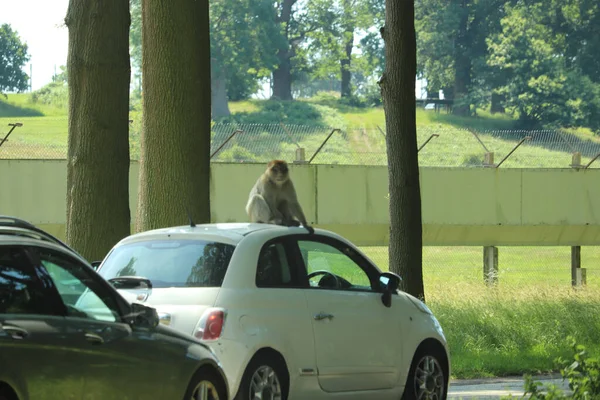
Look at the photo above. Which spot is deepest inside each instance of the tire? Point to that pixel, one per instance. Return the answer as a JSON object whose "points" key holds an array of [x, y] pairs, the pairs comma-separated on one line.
{"points": [[270, 378], [208, 382], [427, 378]]}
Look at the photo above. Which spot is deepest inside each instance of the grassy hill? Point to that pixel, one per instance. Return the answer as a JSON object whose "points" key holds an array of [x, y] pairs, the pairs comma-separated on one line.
{"points": [[275, 129]]}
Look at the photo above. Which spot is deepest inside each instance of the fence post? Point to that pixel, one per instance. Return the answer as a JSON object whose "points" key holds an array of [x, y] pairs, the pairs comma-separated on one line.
{"points": [[488, 159], [578, 274], [300, 156], [490, 265], [576, 160]]}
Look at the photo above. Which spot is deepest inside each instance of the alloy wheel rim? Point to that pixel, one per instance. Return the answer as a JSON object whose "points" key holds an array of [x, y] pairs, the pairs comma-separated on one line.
{"points": [[264, 384], [429, 379], [205, 390]]}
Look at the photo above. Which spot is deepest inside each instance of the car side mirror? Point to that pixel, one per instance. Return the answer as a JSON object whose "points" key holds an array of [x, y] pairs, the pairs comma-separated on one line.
{"points": [[96, 264], [143, 316], [388, 283]]}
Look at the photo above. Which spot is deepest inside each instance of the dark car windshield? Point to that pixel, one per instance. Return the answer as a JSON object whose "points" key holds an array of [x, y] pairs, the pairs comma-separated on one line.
{"points": [[171, 263]]}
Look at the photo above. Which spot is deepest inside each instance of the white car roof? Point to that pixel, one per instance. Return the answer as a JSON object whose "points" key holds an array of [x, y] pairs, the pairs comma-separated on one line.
{"points": [[227, 232]]}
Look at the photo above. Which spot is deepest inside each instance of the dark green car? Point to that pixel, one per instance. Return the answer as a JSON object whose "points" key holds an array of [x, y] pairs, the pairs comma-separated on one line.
{"points": [[66, 333]]}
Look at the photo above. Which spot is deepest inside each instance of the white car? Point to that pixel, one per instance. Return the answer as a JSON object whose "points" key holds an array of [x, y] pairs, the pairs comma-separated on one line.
{"points": [[291, 315]]}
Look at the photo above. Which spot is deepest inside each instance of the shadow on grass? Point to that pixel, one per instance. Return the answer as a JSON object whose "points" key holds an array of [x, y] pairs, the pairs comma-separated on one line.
{"points": [[9, 110]]}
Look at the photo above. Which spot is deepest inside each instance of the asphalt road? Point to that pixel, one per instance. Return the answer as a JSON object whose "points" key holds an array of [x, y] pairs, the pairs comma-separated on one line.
{"points": [[495, 388]]}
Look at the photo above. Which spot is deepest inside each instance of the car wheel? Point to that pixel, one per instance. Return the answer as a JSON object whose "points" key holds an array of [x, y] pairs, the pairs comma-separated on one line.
{"points": [[265, 378], [427, 379], [206, 384]]}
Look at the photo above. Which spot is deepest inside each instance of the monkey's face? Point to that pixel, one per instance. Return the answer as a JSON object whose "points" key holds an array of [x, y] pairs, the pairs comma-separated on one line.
{"points": [[279, 172]]}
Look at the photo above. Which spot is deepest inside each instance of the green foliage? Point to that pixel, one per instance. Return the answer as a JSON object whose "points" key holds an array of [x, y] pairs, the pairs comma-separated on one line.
{"points": [[289, 113], [55, 94], [13, 56], [582, 373]]}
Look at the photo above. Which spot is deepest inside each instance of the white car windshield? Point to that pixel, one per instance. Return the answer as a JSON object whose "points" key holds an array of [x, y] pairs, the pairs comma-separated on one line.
{"points": [[171, 263]]}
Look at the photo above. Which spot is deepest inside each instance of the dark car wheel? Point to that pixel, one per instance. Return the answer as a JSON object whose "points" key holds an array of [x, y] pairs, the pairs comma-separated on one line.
{"points": [[265, 378], [206, 384], [427, 379]]}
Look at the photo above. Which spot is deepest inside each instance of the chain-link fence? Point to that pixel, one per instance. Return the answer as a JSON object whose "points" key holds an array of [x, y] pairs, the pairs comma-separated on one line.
{"points": [[259, 143], [518, 266]]}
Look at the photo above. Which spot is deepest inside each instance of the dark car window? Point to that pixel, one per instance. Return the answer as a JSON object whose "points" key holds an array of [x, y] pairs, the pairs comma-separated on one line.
{"points": [[79, 289], [21, 292], [273, 269], [171, 263]]}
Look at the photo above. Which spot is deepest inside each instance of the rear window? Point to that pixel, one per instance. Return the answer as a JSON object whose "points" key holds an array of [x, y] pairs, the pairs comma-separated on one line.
{"points": [[171, 263]]}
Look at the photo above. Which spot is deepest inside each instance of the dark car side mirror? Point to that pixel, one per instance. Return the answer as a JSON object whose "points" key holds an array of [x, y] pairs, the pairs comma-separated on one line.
{"points": [[388, 282], [143, 316]]}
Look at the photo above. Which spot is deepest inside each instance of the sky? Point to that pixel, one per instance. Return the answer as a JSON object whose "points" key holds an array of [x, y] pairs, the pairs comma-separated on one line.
{"points": [[40, 24]]}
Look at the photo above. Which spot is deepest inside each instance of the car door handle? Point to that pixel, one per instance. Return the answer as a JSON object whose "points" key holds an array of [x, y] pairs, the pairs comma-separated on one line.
{"points": [[94, 338], [14, 331], [321, 316]]}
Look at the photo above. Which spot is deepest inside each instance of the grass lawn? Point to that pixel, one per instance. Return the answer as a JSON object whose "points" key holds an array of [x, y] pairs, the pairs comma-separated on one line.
{"points": [[44, 135]]}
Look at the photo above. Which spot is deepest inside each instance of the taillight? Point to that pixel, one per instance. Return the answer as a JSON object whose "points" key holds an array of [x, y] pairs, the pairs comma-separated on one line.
{"points": [[211, 324]]}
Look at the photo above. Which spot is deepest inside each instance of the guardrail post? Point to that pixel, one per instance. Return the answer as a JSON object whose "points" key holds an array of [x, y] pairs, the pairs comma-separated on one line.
{"points": [[490, 265], [578, 274]]}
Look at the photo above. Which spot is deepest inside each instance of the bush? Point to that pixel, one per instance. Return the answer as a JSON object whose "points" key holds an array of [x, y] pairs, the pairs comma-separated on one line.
{"points": [[583, 374], [55, 94]]}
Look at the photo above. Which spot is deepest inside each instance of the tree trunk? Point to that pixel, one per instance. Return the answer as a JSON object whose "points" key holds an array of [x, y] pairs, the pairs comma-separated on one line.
{"points": [[398, 93], [175, 143], [97, 196], [282, 78], [497, 103], [282, 75], [462, 66], [345, 66], [219, 101]]}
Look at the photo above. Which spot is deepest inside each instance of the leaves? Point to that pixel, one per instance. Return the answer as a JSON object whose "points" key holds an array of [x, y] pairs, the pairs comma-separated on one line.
{"points": [[13, 57]]}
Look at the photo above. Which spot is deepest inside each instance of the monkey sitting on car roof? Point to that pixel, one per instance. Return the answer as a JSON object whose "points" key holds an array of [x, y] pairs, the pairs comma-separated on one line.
{"points": [[273, 198]]}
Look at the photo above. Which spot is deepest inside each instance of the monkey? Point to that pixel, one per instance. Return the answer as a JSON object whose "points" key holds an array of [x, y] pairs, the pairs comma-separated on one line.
{"points": [[273, 198]]}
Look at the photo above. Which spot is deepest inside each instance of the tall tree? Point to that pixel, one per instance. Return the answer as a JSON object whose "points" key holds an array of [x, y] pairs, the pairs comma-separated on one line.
{"points": [[98, 145], [243, 46], [175, 142], [13, 56], [398, 93], [286, 49], [546, 82], [332, 44]]}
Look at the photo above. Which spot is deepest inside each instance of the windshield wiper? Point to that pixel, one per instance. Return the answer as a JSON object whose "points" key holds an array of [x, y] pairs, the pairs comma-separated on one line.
{"points": [[131, 282]]}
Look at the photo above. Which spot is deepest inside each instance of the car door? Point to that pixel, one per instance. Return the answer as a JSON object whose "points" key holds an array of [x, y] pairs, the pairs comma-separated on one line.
{"points": [[356, 336], [34, 351], [116, 361]]}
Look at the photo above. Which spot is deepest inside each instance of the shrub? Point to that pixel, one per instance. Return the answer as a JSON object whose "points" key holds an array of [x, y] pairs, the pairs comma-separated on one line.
{"points": [[583, 374]]}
